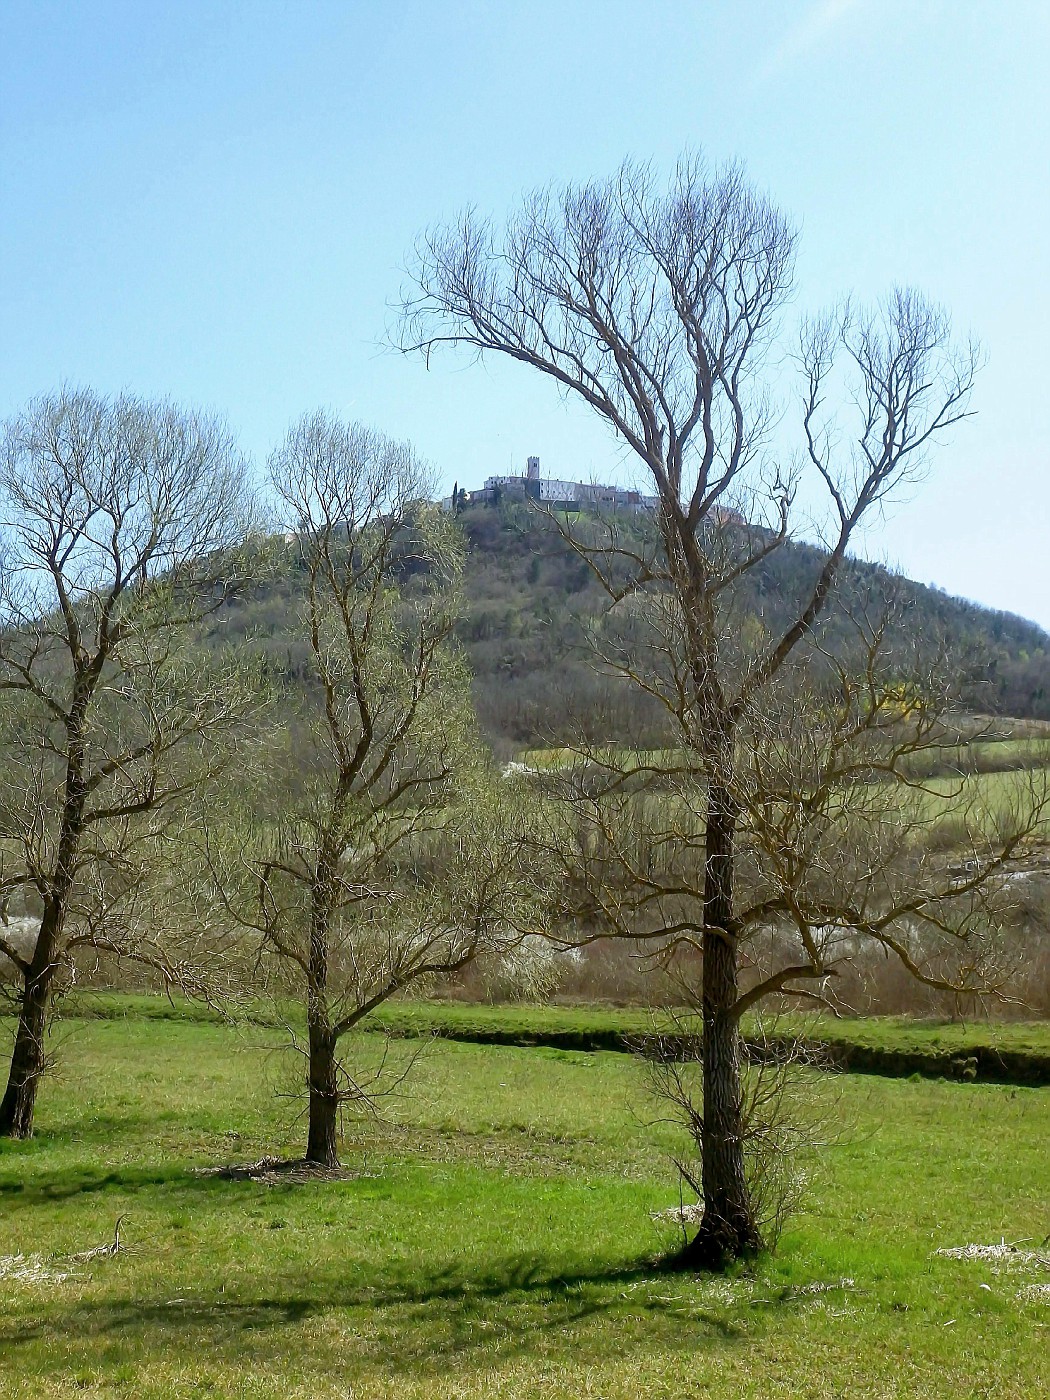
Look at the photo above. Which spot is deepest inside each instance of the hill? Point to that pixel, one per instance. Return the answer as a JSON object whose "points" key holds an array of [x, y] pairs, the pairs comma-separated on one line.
{"points": [[529, 598], [530, 595]]}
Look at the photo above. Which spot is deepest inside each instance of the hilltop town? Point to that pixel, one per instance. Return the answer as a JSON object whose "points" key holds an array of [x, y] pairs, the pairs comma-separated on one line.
{"points": [[551, 491]]}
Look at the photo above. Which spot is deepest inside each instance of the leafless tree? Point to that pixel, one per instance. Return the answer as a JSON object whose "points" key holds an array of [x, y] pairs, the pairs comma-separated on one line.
{"points": [[661, 309], [378, 853], [120, 523]]}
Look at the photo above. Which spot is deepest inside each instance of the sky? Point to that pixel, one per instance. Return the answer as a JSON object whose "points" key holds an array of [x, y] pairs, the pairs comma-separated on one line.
{"points": [[217, 202]]}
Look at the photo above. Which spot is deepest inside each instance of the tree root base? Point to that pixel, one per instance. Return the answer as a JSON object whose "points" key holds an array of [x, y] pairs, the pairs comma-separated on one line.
{"points": [[273, 1171], [715, 1250]]}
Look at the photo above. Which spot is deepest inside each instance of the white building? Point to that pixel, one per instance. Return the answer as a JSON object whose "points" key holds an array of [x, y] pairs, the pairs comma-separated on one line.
{"points": [[554, 490]]}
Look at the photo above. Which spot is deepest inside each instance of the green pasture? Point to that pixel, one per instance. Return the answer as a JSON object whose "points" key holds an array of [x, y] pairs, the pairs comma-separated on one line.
{"points": [[951, 795], [528, 1022], [1011, 1053], [893, 1034], [492, 1235], [988, 755], [980, 756], [989, 793]]}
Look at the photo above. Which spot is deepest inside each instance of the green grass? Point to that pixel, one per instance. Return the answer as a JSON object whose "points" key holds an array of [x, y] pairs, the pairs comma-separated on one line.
{"points": [[493, 1237], [882, 1032], [981, 757], [991, 790], [905, 1033], [1012, 1051], [995, 782], [528, 1020], [1002, 755]]}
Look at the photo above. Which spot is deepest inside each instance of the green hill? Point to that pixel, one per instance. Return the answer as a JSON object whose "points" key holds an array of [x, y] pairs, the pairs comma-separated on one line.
{"points": [[529, 598]]}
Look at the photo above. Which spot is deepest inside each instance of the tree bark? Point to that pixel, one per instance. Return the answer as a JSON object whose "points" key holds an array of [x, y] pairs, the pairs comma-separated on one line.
{"points": [[27, 1058], [322, 1084], [322, 1139], [728, 1229]]}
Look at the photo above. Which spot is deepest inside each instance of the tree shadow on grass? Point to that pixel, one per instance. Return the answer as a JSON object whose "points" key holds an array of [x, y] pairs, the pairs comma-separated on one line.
{"points": [[77, 1179], [103, 1128], [415, 1320], [206, 1180], [80, 1181]]}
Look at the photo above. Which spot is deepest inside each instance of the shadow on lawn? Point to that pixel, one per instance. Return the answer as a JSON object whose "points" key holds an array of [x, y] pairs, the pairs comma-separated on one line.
{"points": [[80, 1181], [414, 1319], [102, 1128], [206, 1180]]}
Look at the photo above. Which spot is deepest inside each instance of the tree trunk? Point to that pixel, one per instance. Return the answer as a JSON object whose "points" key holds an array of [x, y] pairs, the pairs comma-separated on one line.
{"points": [[322, 1143], [728, 1229], [27, 1059]]}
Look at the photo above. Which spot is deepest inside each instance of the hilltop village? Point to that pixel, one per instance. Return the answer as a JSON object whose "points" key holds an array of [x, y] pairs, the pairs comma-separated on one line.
{"points": [[531, 486]]}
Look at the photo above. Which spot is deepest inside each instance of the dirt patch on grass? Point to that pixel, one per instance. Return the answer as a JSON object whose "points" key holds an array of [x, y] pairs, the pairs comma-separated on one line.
{"points": [[1001, 1256]]}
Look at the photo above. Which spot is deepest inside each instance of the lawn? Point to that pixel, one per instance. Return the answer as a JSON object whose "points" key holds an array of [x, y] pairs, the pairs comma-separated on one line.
{"points": [[492, 1236], [891, 1033], [1010, 1051]]}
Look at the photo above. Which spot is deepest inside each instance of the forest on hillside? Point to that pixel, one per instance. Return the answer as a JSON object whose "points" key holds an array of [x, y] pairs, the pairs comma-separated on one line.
{"points": [[530, 603]]}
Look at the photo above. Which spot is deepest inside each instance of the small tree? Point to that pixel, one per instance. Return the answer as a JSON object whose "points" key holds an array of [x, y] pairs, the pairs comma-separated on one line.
{"points": [[658, 310], [380, 854], [119, 519]]}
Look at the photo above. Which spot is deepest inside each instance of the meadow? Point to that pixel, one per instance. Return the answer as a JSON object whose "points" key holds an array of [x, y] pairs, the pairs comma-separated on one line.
{"points": [[950, 792], [492, 1234]]}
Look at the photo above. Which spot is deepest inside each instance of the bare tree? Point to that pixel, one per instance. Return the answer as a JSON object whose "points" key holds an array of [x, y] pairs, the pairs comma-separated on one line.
{"points": [[659, 309], [379, 853], [119, 518], [844, 855]]}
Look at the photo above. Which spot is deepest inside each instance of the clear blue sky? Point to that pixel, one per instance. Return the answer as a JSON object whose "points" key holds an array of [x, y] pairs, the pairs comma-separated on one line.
{"points": [[214, 201]]}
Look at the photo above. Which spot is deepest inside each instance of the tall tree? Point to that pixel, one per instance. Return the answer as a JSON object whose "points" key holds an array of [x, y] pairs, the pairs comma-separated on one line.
{"points": [[379, 852], [119, 519], [660, 310]]}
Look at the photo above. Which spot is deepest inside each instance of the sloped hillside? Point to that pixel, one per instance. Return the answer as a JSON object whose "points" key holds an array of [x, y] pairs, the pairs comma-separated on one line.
{"points": [[529, 597]]}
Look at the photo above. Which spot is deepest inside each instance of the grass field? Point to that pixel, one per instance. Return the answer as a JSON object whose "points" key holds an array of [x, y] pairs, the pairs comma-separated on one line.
{"points": [[984, 779], [615, 1027], [1002, 755], [492, 1237], [892, 1033]]}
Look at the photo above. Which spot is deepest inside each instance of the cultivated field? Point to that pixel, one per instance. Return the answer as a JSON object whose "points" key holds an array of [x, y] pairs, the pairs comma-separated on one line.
{"points": [[493, 1237]]}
